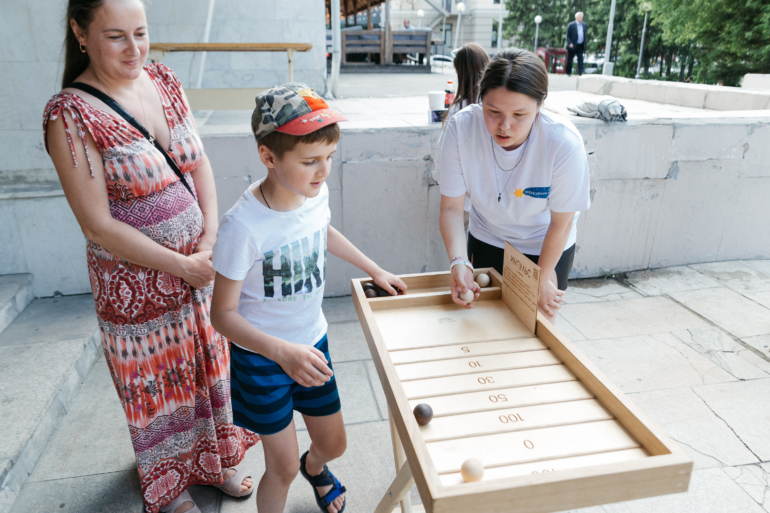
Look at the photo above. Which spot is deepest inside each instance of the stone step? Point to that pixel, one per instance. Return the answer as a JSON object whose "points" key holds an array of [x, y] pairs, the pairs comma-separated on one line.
{"points": [[15, 295], [45, 355]]}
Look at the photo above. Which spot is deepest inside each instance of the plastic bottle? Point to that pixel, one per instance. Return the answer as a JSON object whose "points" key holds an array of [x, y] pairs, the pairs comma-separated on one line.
{"points": [[450, 94]]}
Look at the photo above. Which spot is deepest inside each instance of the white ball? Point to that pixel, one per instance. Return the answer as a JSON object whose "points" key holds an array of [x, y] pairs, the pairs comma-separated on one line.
{"points": [[472, 470], [467, 296], [483, 280]]}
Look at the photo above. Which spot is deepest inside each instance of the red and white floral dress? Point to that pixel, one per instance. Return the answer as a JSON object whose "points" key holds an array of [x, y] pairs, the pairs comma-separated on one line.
{"points": [[169, 366]]}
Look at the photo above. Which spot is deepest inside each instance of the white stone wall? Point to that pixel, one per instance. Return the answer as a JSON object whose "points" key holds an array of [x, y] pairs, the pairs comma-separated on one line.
{"points": [[664, 193], [31, 60]]}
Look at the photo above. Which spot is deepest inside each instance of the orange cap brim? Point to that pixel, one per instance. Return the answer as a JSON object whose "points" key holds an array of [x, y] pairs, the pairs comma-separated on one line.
{"points": [[311, 122]]}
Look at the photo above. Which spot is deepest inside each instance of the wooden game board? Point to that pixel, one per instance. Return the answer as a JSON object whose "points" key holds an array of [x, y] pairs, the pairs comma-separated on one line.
{"points": [[551, 431]]}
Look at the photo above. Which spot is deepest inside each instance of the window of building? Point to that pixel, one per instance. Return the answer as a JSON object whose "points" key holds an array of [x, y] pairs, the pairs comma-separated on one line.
{"points": [[494, 33], [448, 36]]}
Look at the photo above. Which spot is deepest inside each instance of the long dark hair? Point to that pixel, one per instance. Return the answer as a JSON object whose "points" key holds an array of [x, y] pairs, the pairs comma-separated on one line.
{"points": [[469, 63], [518, 71], [75, 61]]}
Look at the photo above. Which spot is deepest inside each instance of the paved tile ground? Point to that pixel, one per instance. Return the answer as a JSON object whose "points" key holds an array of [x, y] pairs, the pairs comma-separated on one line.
{"points": [[690, 345]]}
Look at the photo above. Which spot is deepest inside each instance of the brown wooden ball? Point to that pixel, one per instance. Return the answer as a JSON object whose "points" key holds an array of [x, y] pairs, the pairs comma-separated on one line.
{"points": [[368, 286], [370, 293], [423, 414]]}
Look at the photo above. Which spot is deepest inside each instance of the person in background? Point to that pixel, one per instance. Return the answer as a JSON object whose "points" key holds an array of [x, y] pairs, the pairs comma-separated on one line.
{"points": [[576, 42], [469, 63], [408, 25]]}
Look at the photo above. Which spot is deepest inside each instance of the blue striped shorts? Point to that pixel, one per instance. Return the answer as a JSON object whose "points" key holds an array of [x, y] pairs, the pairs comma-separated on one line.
{"points": [[264, 397]]}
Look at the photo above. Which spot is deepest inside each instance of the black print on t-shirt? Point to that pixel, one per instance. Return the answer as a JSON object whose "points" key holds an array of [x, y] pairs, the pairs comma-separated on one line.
{"points": [[299, 267]]}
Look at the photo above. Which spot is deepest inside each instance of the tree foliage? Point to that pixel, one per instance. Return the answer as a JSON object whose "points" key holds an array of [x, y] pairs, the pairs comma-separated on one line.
{"points": [[710, 40]]}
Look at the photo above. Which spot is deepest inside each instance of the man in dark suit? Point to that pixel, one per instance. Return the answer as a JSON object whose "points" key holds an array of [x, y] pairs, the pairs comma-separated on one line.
{"points": [[577, 34]]}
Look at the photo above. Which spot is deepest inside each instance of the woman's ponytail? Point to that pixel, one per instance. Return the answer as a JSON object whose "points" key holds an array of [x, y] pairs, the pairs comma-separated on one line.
{"points": [[75, 60]]}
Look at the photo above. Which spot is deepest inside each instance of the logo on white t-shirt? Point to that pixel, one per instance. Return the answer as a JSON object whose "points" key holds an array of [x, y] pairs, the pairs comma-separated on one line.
{"points": [[299, 271]]}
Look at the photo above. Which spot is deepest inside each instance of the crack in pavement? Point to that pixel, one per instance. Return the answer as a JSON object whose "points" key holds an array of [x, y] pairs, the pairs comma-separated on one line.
{"points": [[722, 463], [728, 426]]}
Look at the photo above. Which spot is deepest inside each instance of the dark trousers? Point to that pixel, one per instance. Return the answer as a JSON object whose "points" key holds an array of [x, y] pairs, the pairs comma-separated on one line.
{"points": [[486, 255], [576, 49]]}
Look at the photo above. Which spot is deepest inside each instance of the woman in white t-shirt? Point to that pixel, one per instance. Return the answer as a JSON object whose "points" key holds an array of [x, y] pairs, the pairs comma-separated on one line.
{"points": [[526, 173]]}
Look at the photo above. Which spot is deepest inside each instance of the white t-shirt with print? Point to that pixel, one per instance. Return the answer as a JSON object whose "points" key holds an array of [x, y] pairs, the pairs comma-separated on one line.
{"points": [[281, 259], [552, 175]]}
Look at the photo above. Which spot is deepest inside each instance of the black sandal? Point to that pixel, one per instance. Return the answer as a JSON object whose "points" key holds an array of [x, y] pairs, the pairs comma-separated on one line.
{"points": [[325, 478]]}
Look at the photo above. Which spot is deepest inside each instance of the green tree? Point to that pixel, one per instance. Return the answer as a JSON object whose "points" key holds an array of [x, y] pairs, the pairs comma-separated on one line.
{"points": [[728, 38]]}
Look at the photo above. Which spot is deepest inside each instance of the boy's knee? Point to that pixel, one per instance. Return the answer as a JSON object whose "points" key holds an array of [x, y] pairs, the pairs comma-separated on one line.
{"points": [[335, 446], [286, 472]]}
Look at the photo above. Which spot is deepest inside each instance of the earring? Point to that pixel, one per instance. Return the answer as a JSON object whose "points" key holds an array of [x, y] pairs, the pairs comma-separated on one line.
{"points": [[82, 49]]}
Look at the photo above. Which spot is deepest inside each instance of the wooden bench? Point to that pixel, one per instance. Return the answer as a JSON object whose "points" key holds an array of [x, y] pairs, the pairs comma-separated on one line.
{"points": [[158, 50]]}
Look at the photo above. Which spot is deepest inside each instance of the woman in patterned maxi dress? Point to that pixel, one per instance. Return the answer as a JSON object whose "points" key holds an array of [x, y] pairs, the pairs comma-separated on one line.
{"points": [[169, 366]]}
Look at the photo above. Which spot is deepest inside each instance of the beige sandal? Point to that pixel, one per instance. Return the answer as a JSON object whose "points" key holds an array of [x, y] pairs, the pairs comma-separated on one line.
{"points": [[183, 497], [232, 487]]}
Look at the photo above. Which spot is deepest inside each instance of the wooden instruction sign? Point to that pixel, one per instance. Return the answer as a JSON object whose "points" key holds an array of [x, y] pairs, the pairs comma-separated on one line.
{"points": [[521, 286]]}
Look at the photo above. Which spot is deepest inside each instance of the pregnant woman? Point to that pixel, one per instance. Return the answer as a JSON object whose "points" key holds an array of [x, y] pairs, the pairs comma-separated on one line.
{"points": [[150, 223], [526, 173]]}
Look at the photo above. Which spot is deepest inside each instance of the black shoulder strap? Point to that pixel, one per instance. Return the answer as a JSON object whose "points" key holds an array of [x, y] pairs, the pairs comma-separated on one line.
{"points": [[133, 122]]}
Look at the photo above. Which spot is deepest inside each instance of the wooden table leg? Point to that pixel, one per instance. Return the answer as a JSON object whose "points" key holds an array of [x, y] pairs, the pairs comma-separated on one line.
{"points": [[398, 490], [400, 458]]}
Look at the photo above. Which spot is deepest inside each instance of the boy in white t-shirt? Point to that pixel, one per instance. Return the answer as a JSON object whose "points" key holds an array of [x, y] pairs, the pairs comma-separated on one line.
{"points": [[270, 259]]}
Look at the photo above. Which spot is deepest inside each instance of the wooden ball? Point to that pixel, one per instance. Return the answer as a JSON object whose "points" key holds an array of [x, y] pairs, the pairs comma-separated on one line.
{"points": [[383, 293], [370, 293], [467, 296], [483, 280], [423, 414], [472, 471], [368, 286]]}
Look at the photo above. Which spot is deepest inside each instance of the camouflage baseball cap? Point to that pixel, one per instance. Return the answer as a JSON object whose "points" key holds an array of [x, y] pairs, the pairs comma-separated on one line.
{"points": [[293, 109]]}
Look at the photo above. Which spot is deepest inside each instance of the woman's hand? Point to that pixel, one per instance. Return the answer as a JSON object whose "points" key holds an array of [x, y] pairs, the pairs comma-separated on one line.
{"points": [[387, 281], [206, 243], [197, 270], [462, 280], [304, 364], [550, 298]]}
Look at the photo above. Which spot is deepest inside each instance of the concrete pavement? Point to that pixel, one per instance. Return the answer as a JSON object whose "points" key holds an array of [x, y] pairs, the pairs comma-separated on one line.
{"points": [[690, 346]]}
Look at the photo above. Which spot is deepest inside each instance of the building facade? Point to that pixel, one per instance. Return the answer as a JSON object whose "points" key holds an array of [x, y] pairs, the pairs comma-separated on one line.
{"points": [[477, 24]]}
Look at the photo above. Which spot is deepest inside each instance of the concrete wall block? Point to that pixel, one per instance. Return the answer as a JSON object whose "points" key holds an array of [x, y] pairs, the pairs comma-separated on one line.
{"points": [[755, 81], [685, 95], [437, 257], [17, 39], [11, 255], [593, 84], [193, 12], [229, 190], [623, 88], [627, 151], [303, 10], [23, 149], [163, 12], [756, 154], [736, 99], [226, 31], [391, 144], [700, 209], [53, 246], [708, 140], [9, 107], [48, 24], [247, 60], [617, 233], [185, 33], [651, 91], [394, 191], [34, 84], [745, 220]]}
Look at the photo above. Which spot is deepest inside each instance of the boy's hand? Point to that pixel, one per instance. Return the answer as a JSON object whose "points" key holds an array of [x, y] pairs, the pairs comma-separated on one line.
{"points": [[304, 364], [387, 281]]}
